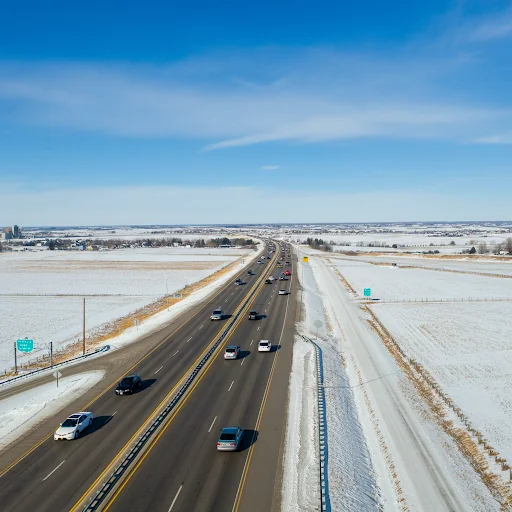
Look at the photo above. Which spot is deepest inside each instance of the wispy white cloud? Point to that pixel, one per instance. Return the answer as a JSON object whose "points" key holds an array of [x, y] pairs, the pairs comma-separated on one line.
{"points": [[306, 96], [498, 139], [498, 27], [269, 167]]}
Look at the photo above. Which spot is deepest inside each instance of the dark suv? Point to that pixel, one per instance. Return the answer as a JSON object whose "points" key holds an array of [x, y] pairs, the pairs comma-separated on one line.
{"points": [[128, 385], [253, 315]]}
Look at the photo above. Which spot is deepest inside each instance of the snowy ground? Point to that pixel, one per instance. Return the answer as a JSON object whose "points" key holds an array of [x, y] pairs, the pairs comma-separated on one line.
{"points": [[468, 349], [139, 276], [460, 264], [385, 450], [22, 412], [388, 282], [301, 491], [353, 483]]}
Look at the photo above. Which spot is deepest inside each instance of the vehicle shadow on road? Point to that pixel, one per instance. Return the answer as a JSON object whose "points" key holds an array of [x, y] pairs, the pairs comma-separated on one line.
{"points": [[97, 423], [243, 354], [275, 348], [249, 438], [145, 384], [226, 317]]}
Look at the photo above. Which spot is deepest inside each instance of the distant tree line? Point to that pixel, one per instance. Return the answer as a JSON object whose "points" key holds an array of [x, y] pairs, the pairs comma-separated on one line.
{"points": [[485, 248], [318, 243]]}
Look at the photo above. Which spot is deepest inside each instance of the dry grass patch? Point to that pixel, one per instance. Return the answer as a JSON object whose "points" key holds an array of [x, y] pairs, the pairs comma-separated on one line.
{"points": [[120, 325]]}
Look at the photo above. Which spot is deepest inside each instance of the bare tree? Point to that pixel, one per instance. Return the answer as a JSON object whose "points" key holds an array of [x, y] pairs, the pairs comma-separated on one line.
{"points": [[508, 245], [482, 248]]}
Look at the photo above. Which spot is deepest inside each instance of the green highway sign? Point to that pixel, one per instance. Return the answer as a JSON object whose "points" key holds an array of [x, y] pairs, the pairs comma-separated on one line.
{"points": [[25, 345], [367, 292]]}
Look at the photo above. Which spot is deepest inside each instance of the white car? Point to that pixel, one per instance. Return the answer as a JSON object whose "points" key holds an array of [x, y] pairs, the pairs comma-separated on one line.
{"points": [[271, 278], [264, 346], [73, 426], [282, 292], [217, 314]]}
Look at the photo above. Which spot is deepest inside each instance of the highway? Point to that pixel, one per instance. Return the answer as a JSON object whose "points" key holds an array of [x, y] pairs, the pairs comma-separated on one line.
{"points": [[56, 475], [183, 471]]}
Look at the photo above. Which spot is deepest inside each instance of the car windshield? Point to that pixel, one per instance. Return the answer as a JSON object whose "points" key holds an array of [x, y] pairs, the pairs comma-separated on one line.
{"points": [[126, 382], [225, 436], [230, 350], [70, 422]]}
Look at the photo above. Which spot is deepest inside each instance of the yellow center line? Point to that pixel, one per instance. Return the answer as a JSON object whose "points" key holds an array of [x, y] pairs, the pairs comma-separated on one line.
{"points": [[245, 470], [255, 289]]}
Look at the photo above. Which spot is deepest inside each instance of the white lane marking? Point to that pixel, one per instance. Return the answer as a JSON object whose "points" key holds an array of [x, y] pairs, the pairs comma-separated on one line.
{"points": [[201, 326], [251, 342], [175, 498], [226, 300], [189, 340], [231, 386], [232, 293], [116, 411], [211, 426], [258, 328], [50, 474], [175, 353], [242, 362], [159, 369]]}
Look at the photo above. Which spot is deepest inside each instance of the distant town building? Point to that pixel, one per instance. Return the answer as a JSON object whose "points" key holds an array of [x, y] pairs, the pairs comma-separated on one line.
{"points": [[11, 233]]}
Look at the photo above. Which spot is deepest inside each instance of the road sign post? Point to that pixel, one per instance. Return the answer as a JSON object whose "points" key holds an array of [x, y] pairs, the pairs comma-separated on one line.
{"points": [[56, 375], [15, 361]]}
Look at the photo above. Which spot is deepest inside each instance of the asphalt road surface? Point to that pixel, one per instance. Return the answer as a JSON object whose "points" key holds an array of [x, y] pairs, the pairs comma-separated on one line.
{"points": [[55, 475], [183, 470]]}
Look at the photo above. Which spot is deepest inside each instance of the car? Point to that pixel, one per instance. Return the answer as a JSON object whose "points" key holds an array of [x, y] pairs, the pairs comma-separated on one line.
{"points": [[287, 263], [128, 385], [279, 266], [217, 314], [264, 346], [268, 281], [271, 278], [238, 282], [287, 273], [253, 315], [259, 262], [73, 426], [232, 352], [268, 257], [282, 292], [229, 439], [282, 278], [250, 273]]}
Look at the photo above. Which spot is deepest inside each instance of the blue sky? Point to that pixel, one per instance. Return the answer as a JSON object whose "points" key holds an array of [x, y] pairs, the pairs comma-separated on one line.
{"points": [[201, 112]]}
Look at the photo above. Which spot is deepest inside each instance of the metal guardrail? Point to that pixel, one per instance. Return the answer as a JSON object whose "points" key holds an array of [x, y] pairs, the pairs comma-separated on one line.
{"points": [[108, 486], [325, 502], [56, 365]]}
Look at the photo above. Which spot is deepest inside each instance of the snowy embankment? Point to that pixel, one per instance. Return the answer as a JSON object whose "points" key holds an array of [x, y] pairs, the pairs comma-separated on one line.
{"points": [[22, 412], [133, 277], [352, 480], [391, 454], [301, 490]]}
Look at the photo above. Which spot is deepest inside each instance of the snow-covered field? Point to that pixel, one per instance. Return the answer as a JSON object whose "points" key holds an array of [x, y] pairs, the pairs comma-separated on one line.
{"points": [[467, 347], [133, 277], [388, 282], [386, 452], [460, 264], [21, 412]]}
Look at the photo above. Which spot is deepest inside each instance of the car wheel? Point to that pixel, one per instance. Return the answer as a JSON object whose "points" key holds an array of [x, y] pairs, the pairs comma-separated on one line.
{"points": [[90, 422], [77, 434]]}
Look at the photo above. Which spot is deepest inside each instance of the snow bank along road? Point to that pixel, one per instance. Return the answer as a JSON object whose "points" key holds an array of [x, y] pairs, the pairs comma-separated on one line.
{"points": [[423, 466], [40, 474]]}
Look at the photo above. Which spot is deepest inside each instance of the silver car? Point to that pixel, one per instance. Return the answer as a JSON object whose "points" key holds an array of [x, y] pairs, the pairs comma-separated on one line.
{"points": [[230, 439], [232, 352]]}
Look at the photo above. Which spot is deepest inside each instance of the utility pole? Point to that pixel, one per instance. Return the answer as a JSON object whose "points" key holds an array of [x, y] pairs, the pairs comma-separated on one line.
{"points": [[15, 361], [83, 331]]}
